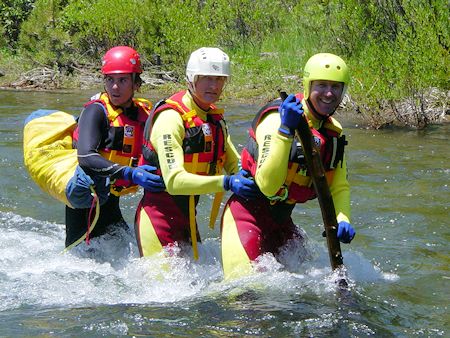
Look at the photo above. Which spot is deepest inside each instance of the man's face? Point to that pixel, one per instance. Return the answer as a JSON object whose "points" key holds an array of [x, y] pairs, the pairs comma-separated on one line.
{"points": [[120, 89], [208, 90], [326, 96]]}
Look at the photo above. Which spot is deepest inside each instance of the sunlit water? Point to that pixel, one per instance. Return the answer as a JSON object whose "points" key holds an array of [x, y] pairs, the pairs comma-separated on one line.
{"points": [[398, 264]]}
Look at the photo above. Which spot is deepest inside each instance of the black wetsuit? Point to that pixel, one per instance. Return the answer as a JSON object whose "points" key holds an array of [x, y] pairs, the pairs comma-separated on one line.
{"points": [[95, 133]]}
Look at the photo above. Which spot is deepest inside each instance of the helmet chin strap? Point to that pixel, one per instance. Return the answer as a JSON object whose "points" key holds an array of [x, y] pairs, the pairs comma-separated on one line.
{"points": [[191, 86], [314, 111]]}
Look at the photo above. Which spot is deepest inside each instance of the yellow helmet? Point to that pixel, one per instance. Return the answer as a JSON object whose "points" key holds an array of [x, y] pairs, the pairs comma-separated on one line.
{"points": [[325, 66]]}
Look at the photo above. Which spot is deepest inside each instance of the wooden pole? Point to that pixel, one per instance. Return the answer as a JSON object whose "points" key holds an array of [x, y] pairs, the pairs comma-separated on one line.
{"points": [[317, 173]]}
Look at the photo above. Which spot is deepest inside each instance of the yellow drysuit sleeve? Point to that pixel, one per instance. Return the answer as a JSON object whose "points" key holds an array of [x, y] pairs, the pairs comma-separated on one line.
{"points": [[273, 157], [231, 164], [167, 137]]}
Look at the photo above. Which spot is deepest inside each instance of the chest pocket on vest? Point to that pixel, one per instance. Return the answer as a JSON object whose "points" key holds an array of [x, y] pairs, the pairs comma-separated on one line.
{"points": [[198, 139], [297, 155]]}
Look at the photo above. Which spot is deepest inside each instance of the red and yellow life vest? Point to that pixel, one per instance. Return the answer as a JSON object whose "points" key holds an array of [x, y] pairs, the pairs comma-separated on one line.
{"points": [[203, 147], [298, 184], [127, 150], [204, 141]]}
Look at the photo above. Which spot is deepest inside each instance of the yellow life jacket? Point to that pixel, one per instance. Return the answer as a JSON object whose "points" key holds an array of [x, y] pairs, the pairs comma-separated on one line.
{"points": [[298, 186], [204, 141], [131, 148]]}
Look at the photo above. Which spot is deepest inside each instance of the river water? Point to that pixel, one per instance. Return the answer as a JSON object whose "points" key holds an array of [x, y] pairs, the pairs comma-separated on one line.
{"points": [[398, 263]]}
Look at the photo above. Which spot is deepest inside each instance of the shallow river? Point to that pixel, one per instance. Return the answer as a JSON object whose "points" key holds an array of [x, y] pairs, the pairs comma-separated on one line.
{"points": [[398, 263]]}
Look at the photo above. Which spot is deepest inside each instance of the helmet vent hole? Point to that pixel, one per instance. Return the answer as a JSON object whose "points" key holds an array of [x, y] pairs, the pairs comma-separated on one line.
{"points": [[327, 66], [338, 67]]}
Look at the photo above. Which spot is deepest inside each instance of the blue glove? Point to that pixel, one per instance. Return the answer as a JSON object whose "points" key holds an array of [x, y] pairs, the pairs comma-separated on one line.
{"points": [[78, 190], [244, 173], [345, 232], [290, 111], [241, 186], [142, 176]]}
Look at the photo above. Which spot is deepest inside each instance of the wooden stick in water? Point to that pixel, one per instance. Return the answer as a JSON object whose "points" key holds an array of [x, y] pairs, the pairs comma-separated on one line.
{"points": [[317, 173]]}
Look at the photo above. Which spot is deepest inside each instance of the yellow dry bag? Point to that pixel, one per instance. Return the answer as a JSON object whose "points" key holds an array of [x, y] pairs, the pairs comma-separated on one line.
{"points": [[47, 150]]}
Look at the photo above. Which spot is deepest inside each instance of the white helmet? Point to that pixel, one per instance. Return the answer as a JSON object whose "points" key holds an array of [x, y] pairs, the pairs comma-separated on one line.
{"points": [[207, 61]]}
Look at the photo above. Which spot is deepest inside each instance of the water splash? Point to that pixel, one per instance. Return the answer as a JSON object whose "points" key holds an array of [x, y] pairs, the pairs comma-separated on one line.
{"points": [[34, 272]]}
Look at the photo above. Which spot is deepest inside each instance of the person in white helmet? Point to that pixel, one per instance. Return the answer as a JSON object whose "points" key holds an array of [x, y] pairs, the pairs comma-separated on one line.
{"points": [[187, 139]]}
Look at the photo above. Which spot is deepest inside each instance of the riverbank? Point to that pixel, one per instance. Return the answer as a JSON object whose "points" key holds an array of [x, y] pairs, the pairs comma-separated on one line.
{"points": [[155, 80], [418, 111]]}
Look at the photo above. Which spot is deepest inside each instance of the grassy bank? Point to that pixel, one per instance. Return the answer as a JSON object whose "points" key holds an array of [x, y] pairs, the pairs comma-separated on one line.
{"points": [[245, 86]]}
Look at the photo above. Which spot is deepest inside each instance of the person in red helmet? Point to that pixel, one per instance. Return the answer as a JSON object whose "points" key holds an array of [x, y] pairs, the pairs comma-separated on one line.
{"points": [[108, 140]]}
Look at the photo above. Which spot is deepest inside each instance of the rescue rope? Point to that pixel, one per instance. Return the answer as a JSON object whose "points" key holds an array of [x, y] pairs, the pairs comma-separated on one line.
{"points": [[192, 221], [91, 225], [95, 202], [217, 197]]}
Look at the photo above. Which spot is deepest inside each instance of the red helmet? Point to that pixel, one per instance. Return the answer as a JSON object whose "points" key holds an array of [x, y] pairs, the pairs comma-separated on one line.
{"points": [[121, 60]]}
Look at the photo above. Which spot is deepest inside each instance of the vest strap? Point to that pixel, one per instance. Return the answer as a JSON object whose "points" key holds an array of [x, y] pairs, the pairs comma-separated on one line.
{"points": [[193, 226], [215, 209]]}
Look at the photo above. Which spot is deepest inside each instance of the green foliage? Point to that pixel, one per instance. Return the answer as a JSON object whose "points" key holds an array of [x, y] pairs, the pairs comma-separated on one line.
{"points": [[395, 42], [173, 29], [243, 22], [396, 49], [95, 26], [3, 41], [42, 40], [12, 14]]}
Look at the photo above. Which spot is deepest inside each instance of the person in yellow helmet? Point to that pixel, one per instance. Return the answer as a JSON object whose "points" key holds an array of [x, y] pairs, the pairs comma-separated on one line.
{"points": [[276, 162], [108, 140], [187, 139]]}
